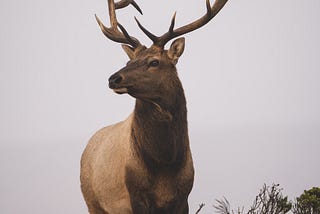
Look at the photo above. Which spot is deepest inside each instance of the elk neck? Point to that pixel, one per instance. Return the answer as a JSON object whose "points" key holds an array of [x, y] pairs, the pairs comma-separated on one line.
{"points": [[160, 132]]}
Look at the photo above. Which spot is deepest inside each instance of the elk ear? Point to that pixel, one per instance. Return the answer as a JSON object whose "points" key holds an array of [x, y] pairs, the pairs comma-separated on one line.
{"points": [[129, 51], [176, 49]]}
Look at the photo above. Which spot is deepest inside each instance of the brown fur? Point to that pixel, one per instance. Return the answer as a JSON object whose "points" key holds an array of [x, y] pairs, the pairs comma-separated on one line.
{"points": [[143, 164]]}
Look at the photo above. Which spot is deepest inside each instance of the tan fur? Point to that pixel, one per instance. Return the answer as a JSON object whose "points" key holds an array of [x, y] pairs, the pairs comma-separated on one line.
{"points": [[102, 169], [103, 165]]}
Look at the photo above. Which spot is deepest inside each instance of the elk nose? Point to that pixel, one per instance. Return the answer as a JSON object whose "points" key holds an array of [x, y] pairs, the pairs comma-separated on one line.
{"points": [[114, 80]]}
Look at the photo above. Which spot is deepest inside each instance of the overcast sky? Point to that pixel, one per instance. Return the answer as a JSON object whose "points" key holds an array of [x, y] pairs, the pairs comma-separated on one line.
{"points": [[251, 79]]}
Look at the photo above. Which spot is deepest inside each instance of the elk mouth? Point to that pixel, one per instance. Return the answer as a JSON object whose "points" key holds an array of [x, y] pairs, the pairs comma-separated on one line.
{"points": [[120, 90]]}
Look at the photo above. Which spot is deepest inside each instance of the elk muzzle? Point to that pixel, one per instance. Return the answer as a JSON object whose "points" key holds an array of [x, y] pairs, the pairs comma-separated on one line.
{"points": [[115, 83]]}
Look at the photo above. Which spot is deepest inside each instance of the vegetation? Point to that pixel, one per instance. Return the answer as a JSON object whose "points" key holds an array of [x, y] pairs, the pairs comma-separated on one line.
{"points": [[308, 202], [271, 201]]}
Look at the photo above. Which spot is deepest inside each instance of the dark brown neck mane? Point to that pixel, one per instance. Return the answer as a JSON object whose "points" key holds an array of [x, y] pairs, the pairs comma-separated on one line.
{"points": [[160, 132]]}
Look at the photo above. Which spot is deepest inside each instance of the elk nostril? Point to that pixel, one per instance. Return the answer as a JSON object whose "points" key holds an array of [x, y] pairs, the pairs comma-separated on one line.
{"points": [[118, 79]]}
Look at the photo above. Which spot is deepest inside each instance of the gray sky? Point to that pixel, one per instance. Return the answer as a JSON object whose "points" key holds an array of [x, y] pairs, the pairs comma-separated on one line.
{"points": [[251, 79]]}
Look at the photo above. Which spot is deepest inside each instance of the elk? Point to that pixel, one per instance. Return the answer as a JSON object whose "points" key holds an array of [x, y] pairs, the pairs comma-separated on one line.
{"points": [[144, 164]]}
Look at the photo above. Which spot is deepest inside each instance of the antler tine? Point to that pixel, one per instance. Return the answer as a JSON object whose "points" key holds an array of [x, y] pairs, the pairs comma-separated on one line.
{"points": [[124, 3], [173, 21], [113, 32], [151, 36], [208, 6], [125, 33], [162, 40]]}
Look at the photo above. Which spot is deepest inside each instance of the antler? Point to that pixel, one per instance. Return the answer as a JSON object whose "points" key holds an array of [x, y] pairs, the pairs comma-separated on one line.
{"points": [[124, 3], [113, 32], [162, 40]]}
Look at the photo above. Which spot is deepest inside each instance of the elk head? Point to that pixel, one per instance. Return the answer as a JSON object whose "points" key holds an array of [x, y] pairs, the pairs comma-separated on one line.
{"points": [[151, 73]]}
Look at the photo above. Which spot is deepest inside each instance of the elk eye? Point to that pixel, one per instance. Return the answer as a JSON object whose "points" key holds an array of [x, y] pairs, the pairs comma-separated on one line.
{"points": [[154, 63]]}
